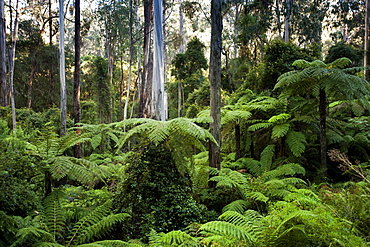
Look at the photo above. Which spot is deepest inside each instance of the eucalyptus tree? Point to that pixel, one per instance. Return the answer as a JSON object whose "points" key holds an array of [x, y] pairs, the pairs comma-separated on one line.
{"points": [[215, 82], [158, 93], [323, 82], [62, 75], [3, 83], [77, 74], [348, 19]]}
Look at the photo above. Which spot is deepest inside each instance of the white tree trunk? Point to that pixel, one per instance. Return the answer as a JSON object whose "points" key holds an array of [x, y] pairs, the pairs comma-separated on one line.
{"points": [[366, 40], [3, 82], [158, 93], [288, 11], [11, 65], [62, 73]]}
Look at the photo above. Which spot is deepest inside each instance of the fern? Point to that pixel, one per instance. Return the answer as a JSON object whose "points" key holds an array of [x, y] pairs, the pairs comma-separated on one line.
{"points": [[296, 142], [266, 158], [90, 225], [110, 243], [80, 170], [238, 206], [53, 213], [230, 230], [32, 235], [280, 130]]}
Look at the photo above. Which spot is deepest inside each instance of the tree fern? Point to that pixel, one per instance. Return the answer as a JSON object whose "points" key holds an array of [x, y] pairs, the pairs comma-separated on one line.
{"points": [[53, 214], [296, 142], [79, 170], [238, 206], [229, 230], [95, 224]]}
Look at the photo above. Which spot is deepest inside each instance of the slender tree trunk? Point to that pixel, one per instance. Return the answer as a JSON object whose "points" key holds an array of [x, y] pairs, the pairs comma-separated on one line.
{"points": [[181, 50], [51, 72], [278, 20], [215, 83], [77, 73], [288, 10], [158, 93], [62, 72], [3, 82], [237, 142], [146, 83], [323, 145], [130, 62], [366, 40], [30, 83], [11, 65]]}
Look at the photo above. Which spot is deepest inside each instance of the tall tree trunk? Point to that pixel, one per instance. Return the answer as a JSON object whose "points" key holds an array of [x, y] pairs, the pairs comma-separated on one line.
{"points": [[146, 83], [3, 83], [278, 21], [215, 83], [11, 65], [77, 73], [323, 145], [288, 12], [366, 40], [51, 72], [158, 93], [62, 72], [130, 61], [181, 50]]}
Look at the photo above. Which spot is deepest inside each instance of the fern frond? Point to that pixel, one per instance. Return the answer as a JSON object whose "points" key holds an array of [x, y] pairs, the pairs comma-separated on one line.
{"points": [[81, 170], [235, 116], [258, 126], [111, 243], [301, 63], [29, 235], [280, 118], [230, 230], [266, 157], [94, 217], [295, 215], [254, 166], [53, 214], [296, 142], [238, 206], [290, 169], [280, 130], [257, 196], [47, 244], [340, 63], [178, 238], [100, 228]]}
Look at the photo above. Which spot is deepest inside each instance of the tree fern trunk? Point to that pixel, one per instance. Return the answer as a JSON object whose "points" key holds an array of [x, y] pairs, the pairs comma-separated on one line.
{"points": [[237, 142], [323, 144]]}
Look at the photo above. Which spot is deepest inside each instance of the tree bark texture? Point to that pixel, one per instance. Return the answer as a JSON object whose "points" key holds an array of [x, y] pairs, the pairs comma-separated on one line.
{"points": [[3, 82], [366, 41], [288, 12], [158, 93], [215, 82], [146, 82], [77, 73], [62, 73], [323, 144]]}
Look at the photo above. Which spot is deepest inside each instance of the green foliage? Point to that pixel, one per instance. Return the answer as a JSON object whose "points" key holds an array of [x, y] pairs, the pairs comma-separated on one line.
{"points": [[53, 228], [155, 193]]}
